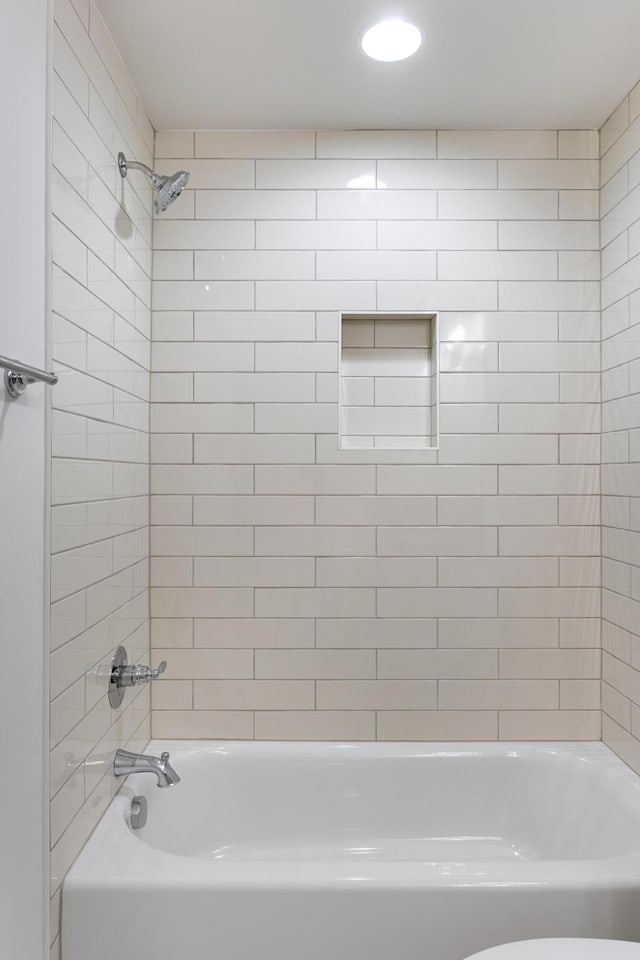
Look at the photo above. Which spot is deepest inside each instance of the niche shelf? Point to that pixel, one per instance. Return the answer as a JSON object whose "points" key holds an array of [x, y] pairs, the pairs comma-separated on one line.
{"points": [[388, 381]]}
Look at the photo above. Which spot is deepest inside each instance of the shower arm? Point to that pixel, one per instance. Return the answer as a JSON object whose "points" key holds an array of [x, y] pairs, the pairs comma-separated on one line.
{"points": [[125, 165]]}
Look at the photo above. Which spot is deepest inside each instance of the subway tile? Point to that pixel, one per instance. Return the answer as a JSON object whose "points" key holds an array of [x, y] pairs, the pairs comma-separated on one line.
{"points": [[401, 144], [253, 694], [253, 633], [254, 265], [316, 295], [376, 265], [201, 295], [497, 143], [551, 295], [578, 204], [549, 601], [267, 510], [204, 664], [529, 357], [468, 417], [204, 724], [436, 541], [564, 479], [468, 357], [376, 572], [436, 602], [315, 602], [503, 326], [303, 418], [578, 143], [437, 725], [192, 235], [550, 541], [498, 387], [189, 357], [442, 479], [201, 602], [437, 664], [497, 571], [498, 694], [315, 664], [502, 265], [381, 633], [296, 357], [378, 205], [255, 204], [221, 174], [253, 387], [342, 725], [503, 448], [550, 664], [437, 235], [549, 725], [254, 448], [314, 479], [172, 695], [580, 694], [497, 205], [201, 417], [255, 143], [172, 633], [376, 694], [315, 541], [548, 235], [201, 479], [415, 295], [379, 510], [450, 174], [253, 572], [172, 325], [497, 633], [543, 174], [320, 174], [487, 511], [315, 235], [550, 418], [174, 143]]}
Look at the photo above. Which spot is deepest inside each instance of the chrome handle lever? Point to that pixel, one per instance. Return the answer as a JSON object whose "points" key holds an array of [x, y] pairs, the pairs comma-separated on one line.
{"points": [[124, 675], [132, 676]]}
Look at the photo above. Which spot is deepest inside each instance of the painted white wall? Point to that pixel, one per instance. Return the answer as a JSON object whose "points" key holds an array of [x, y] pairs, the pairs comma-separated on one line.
{"points": [[23, 68]]}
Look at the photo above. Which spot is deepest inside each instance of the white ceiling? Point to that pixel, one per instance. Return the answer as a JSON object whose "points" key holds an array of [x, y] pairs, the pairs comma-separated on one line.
{"points": [[277, 64]]}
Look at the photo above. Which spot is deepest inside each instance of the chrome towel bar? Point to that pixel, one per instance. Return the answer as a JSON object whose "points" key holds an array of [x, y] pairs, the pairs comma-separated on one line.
{"points": [[17, 376]]}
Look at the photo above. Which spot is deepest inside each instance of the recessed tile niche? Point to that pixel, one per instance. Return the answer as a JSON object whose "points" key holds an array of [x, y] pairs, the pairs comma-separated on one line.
{"points": [[389, 381]]}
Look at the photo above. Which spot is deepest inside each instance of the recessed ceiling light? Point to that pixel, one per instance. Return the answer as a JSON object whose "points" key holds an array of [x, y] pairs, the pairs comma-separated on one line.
{"points": [[391, 40]]}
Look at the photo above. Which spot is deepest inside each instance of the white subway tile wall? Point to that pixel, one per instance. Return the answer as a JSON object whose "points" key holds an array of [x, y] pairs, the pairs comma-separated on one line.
{"points": [[100, 340], [620, 204], [303, 591]]}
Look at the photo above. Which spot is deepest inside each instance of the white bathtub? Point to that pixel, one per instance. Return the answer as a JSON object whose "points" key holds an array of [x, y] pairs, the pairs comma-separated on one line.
{"points": [[377, 851]]}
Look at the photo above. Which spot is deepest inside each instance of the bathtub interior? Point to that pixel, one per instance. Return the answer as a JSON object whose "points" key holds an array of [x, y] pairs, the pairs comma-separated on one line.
{"points": [[344, 801]]}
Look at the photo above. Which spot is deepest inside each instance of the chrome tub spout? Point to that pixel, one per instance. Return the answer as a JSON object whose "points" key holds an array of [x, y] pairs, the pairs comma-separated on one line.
{"points": [[126, 762]]}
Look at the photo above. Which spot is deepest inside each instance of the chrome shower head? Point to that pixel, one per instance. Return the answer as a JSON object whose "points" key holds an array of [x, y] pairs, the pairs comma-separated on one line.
{"points": [[167, 189]]}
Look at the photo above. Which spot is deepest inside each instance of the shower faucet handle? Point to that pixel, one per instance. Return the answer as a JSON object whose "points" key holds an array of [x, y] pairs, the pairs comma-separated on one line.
{"points": [[142, 674], [154, 674], [122, 675]]}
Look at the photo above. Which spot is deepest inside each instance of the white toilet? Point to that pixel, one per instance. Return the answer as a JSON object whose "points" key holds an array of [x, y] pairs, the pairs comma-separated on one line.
{"points": [[562, 949]]}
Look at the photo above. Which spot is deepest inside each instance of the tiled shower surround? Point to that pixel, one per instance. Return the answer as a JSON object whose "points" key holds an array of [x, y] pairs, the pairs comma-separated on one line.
{"points": [[300, 590], [620, 198], [100, 336]]}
